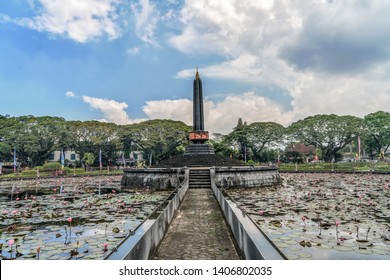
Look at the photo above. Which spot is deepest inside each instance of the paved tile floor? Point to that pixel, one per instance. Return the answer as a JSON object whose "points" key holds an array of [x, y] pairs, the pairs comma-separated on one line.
{"points": [[198, 232]]}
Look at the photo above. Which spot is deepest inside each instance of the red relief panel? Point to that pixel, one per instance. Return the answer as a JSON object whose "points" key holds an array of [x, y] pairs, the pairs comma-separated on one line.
{"points": [[199, 135]]}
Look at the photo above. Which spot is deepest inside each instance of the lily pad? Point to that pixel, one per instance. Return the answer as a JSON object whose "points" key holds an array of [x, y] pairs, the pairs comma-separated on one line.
{"points": [[304, 255], [295, 248], [291, 256], [367, 251]]}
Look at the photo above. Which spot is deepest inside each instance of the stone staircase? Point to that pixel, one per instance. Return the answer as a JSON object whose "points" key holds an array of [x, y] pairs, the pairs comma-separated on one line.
{"points": [[199, 178]]}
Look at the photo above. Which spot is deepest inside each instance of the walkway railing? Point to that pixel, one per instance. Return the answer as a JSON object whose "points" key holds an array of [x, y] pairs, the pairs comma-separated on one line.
{"points": [[145, 240], [253, 243]]}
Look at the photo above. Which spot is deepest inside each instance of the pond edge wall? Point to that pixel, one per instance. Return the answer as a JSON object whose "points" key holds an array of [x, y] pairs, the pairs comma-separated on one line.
{"points": [[253, 244], [153, 178], [144, 243], [246, 177]]}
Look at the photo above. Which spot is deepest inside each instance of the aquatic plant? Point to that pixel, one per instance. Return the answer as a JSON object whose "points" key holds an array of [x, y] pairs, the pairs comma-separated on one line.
{"points": [[357, 232], [368, 230], [303, 218], [261, 212], [69, 220], [319, 223], [11, 243], [105, 247], [337, 223]]}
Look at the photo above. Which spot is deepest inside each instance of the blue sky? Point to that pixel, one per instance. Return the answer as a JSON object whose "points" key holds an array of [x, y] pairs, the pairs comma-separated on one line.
{"points": [[128, 61]]}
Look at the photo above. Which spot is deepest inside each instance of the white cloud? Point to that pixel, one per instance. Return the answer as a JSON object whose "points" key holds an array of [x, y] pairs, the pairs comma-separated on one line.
{"points": [[81, 21], [146, 20], [330, 56], [5, 18], [113, 111], [179, 109], [322, 94], [70, 94], [220, 116], [133, 51]]}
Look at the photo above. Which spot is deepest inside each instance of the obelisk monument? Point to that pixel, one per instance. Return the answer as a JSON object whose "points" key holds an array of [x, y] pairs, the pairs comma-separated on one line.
{"points": [[198, 136], [198, 115]]}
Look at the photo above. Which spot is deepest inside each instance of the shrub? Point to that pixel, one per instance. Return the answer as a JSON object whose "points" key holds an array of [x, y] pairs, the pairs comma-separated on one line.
{"points": [[52, 166], [40, 168]]}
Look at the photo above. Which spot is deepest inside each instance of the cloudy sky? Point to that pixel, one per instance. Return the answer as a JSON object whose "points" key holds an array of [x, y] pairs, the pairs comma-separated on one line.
{"points": [[125, 61]]}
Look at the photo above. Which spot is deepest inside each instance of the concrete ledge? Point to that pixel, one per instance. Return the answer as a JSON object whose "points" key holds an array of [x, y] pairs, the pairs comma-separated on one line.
{"points": [[253, 244], [144, 243], [155, 178], [338, 171], [245, 177]]}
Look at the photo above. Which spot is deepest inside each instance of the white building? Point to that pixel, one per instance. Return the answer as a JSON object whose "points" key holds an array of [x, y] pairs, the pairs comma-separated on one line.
{"points": [[70, 155]]}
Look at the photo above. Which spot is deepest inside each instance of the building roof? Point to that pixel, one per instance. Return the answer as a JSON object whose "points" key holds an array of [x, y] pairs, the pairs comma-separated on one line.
{"points": [[301, 148]]}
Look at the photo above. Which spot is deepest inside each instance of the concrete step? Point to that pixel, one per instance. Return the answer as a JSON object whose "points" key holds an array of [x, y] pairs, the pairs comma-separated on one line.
{"points": [[200, 183], [199, 178]]}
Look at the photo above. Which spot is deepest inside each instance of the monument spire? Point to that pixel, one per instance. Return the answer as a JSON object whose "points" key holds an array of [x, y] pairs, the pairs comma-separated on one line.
{"points": [[198, 104], [197, 74], [198, 136]]}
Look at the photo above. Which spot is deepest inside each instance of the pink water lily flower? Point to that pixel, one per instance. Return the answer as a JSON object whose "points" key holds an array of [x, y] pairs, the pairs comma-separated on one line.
{"points": [[261, 212], [69, 219], [11, 242], [105, 245], [337, 223]]}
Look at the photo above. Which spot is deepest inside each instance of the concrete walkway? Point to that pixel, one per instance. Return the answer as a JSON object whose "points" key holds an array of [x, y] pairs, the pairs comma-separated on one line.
{"points": [[198, 232]]}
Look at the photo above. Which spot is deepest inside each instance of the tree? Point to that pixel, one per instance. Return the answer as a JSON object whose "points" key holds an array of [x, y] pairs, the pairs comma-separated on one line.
{"points": [[158, 139], [239, 137], [252, 139], [263, 135], [329, 133], [220, 145], [377, 133], [89, 159], [92, 136], [35, 138]]}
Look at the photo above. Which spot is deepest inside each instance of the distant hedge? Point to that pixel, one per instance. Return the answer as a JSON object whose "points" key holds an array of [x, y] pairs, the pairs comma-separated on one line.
{"points": [[52, 166]]}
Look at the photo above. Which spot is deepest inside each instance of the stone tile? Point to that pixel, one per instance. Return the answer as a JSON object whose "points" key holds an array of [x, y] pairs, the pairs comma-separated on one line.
{"points": [[198, 231]]}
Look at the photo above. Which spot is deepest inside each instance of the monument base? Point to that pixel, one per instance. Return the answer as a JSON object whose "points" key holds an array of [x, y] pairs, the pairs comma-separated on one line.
{"points": [[199, 149]]}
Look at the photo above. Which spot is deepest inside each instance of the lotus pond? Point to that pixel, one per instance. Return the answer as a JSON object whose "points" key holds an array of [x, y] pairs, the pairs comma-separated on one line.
{"points": [[323, 216], [70, 218]]}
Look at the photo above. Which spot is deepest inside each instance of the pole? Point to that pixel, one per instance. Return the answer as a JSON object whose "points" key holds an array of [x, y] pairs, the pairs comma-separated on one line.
{"points": [[14, 159], [100, 159], [62, 159], [358, 147]]}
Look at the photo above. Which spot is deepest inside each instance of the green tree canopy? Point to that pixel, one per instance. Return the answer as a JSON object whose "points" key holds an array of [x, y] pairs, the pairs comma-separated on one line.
{"points": [[329, 133], [252, 139], [158, 139], [377, 132], [91, 136], [264, 135], [89, 159], [35, 138]]}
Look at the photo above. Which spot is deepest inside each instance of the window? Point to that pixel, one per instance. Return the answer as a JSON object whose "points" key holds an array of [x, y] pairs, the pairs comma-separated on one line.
{"points": [[51, 157], [73, 157]]}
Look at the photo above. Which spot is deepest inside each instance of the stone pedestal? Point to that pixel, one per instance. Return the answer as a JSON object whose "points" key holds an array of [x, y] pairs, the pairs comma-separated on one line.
{"points": [[199, 149]]}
